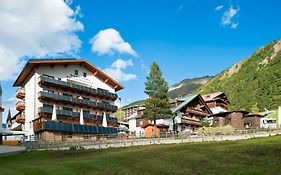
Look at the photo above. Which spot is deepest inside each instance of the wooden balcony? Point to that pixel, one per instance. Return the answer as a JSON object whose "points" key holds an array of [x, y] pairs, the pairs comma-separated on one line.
{"points": [[197, 112], [20, 93], [20, 106], [222, 104], [20, 118], [191, 121], [102, 93], [76, 102]]}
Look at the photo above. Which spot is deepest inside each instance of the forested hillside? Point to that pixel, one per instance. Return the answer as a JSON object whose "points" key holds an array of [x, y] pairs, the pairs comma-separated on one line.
{"points": [[254, 83]]}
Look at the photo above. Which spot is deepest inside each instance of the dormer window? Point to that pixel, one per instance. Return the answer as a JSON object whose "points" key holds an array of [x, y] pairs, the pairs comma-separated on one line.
{"points": [[76, 72]]}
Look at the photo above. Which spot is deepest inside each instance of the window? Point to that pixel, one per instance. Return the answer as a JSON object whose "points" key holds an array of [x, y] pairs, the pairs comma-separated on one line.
{"points": [[65, 94], [49, 91], [85, 98], [86, 112], [69, 135], [86, 136], [48, 76], [47, 106], [76, 72], [84, 74], [67, 109]]}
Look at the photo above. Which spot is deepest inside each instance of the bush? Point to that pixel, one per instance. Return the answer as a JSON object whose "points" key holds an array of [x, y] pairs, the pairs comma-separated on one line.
{"points": [[74, 148], [226, 130]]}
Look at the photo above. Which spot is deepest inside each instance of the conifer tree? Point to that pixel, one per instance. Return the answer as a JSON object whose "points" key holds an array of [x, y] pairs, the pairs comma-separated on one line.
{"points": [[157, 104]]}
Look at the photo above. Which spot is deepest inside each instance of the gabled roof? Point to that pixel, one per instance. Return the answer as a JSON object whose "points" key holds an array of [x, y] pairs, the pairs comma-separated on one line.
{"points": [[186, 99], [223, 114], [34, 63], [9, 117], [133, 116], [211, 96], [158, 125]]}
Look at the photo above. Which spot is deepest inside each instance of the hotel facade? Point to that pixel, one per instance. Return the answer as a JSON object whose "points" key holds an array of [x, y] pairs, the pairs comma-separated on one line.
{"points": [[65, 100]]}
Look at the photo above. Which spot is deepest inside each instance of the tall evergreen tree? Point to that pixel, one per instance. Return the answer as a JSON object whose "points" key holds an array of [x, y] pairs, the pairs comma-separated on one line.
{"points": [[157, 104]]}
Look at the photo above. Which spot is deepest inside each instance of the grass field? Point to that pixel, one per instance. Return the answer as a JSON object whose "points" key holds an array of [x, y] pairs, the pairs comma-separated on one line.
{"points": [[255, 156]]}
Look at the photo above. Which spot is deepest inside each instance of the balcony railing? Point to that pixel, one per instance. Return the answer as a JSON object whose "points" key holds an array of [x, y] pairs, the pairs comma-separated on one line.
{"points": [[75, 114], [87, 129], [194, 111], [20, 106], [20, 118], [76, 101], [20, 93], [78, 88], [191, 121]]}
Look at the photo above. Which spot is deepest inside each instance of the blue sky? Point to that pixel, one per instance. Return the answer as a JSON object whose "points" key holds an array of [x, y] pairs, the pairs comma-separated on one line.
{"points": [[187, 39]]}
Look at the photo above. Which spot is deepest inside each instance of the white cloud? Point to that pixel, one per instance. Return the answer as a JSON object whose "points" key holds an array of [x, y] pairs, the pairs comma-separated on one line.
{"points": [[218, 7], [9, 104], [180, 8], [109, 41], [68, 2], [234, 25], [116, 70], [33, 28], [228, 15]]}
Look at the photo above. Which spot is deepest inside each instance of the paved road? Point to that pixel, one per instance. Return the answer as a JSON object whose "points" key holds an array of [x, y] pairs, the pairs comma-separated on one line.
{"points": [[7, 150]]}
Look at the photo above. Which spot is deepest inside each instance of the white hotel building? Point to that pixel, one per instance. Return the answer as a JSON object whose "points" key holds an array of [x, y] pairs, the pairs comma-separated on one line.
{"points": [[64, 100]]}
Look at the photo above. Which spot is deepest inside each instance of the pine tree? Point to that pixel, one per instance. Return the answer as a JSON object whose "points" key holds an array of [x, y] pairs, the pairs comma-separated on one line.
{"points": [[157, 104]]}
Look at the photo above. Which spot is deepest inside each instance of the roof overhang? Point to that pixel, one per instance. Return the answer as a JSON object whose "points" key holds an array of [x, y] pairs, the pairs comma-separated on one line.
{"points": [[223, 114], [35, 63]]}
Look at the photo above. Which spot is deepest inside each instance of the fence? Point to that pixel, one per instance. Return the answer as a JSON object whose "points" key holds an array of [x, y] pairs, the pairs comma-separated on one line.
{"points": [[104, 141]]}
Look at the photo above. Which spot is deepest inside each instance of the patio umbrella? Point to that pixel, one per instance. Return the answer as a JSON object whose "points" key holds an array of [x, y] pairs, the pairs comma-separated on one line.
{"points": [[104, 121], [54, 114], [81, 117]]}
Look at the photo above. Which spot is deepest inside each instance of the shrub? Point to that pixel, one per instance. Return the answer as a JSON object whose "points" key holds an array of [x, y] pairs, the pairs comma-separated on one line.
{"points": [[216, 130]]}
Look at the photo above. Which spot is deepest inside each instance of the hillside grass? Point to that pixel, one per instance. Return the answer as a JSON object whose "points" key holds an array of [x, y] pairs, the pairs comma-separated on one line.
{"points": [[251, 83], [255, 156]]}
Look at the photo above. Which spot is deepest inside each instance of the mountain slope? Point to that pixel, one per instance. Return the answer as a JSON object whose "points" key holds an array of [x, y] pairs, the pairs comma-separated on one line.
{"points": [[187, 86], [252, 83], [180, 89]]}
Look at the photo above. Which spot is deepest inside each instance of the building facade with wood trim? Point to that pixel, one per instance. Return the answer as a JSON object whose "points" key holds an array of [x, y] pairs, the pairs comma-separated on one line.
{"points": [[188, 114], [65, 99], [217, 102]]}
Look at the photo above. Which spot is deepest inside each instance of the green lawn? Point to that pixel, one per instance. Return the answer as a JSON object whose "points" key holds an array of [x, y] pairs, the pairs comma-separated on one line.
{"points": [[255, 156]]}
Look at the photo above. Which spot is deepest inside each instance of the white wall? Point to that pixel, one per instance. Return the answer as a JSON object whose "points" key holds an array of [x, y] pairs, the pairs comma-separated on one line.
{"points": [[31, 104], [279, 116], [1, 112], [32, 88], [65, 73], [217, 110], [132, 125]]}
